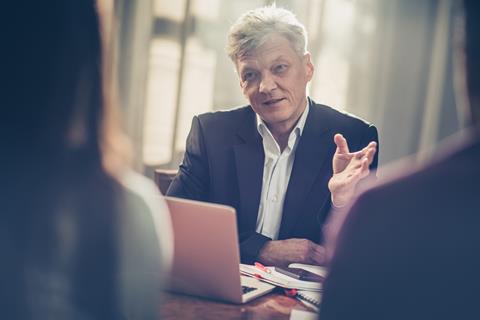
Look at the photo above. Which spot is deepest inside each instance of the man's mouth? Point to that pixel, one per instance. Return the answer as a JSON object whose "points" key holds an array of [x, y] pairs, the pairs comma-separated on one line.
{"points": [[273, 101]]}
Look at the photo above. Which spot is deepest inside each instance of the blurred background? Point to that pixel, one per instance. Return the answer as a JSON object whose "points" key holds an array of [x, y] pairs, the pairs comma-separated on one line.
{"points": [[387, 61]]}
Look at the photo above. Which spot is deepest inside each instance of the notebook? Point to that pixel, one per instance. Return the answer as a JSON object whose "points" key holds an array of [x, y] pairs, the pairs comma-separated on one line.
{"points": [[206, 259], [310, 298], [303, 315], [276, 278]]}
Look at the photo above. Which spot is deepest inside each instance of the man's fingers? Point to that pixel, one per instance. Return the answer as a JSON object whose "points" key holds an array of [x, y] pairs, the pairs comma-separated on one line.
{"points": [[370, 154], [341, 142], [317, 257], [314, 247], [317, 254], [365, 153], [318, 260], [365, 150], [365, 164], [318, 249], [358, 170], [372, 144]]}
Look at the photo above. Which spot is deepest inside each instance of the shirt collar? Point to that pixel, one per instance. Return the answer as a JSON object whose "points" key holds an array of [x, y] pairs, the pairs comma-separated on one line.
{"points": [[297, 130]]}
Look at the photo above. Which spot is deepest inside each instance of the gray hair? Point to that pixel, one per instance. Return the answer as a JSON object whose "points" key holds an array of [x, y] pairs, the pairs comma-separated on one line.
{"points": [[254, 27]]}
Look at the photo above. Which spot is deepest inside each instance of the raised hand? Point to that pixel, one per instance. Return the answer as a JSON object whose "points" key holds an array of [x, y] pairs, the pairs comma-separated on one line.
{"points": [[348, 169]]}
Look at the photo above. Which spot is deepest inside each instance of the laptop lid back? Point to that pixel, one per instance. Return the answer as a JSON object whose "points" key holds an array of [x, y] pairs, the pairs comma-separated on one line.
{"points": [[206, 255]]}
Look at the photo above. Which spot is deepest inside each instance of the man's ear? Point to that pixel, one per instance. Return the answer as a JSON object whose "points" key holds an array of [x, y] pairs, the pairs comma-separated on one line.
{"points": [[309, 67], [242, 86], [239, 77]]}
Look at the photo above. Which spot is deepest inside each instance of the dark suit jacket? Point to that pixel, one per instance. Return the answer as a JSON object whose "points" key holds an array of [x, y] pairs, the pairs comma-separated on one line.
{"points": [[410, 248], [224, 162]]}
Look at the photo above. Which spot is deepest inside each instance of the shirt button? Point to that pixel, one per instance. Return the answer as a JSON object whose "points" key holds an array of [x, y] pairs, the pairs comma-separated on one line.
{"points": [[274, 198]]}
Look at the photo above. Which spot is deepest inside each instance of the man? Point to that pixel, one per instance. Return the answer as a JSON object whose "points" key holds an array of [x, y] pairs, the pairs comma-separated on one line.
{"points": [[410, 247], [272, 160]]}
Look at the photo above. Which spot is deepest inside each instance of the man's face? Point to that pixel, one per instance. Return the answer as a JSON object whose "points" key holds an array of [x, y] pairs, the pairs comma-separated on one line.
{"points": [[274, 79]]}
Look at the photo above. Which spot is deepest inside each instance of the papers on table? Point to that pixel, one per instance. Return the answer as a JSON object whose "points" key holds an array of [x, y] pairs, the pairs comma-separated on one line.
{"points": [[310, 298], [321, 271], [268, 274], [303, 315]]}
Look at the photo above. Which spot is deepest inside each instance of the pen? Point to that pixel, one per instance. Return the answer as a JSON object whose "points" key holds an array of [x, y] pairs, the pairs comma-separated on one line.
{"points": [[290, 292], [260, 266], [258, 276]]}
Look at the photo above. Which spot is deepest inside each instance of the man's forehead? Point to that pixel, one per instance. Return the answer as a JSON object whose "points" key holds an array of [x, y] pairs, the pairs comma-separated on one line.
{"points": [[253, 60], [273, 42], [270, 51]]}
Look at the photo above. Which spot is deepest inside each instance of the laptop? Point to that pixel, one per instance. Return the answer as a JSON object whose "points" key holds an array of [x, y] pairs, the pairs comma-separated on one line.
{"points": [[206, 260]]}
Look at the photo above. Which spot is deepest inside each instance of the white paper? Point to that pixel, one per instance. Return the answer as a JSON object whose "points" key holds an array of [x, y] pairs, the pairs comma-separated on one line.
{"points": [[303, 315]]}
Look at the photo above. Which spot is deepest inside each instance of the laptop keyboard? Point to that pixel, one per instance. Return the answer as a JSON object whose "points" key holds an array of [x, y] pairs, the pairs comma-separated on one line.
{"points": [[246, 289]]}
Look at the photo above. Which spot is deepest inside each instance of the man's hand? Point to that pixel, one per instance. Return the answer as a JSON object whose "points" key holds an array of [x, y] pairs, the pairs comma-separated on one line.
{"points": [[348, 169], [284, 252]]}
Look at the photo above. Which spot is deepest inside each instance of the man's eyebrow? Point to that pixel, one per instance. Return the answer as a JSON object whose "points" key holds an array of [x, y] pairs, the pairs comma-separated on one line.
{"points": [[245, 65], [245, 68], [281, 58]]}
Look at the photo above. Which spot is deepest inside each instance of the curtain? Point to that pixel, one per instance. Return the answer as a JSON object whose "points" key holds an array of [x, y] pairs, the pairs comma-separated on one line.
{"points": [[133, 34]]}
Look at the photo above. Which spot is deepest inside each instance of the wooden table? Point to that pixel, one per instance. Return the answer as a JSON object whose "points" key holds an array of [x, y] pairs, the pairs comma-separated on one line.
{"points": [[274, 305]]}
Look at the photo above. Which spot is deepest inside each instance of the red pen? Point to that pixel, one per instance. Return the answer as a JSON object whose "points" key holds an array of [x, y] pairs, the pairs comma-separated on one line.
{"points": [[290, 292], [260, 266], [256, 275]]}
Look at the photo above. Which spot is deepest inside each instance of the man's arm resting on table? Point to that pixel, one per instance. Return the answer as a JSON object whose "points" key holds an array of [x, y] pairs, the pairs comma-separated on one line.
{"points": [[281, 252], [251, 246]]}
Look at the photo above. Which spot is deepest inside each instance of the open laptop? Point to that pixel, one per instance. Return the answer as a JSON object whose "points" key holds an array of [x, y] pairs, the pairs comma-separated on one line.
{"points": [[206, 260]]}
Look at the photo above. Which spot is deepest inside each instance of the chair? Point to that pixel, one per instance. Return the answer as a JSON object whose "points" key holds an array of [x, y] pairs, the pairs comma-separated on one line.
{"points": [[163, 178]]}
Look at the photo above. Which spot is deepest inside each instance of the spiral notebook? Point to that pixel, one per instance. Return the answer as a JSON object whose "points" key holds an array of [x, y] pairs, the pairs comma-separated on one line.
{"points": [[310, 298]]}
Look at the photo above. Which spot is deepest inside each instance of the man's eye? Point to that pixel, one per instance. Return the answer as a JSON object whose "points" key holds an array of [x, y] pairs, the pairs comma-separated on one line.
{"points": [[280, 68], [249, 76]]}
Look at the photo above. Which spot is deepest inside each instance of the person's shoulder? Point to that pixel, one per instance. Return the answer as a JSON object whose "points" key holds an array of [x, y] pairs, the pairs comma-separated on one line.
{"points": [[225, 121], [145, 243], [230, 114], [143, 204], [451, 169], [337, 117], [139, 187]]}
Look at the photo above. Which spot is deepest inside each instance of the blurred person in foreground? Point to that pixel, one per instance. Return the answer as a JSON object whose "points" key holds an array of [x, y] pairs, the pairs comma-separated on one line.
{"points": [[272, 159], [81, 236], [410, 247]]}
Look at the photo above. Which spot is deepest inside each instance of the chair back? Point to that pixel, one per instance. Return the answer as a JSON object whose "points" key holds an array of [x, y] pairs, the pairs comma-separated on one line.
{"points": [[163, 178]]}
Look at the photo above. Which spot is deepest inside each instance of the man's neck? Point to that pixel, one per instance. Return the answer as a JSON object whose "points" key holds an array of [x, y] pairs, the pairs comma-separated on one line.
{"points": [[281, 135], [281, 132]]}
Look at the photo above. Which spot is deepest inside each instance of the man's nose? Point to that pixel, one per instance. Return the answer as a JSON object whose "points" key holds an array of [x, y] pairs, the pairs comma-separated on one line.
{"points": [[267, 83]]}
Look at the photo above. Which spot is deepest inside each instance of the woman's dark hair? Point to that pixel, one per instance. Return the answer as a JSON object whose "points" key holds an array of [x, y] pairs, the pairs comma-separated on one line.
{"points": [[58, 201]]}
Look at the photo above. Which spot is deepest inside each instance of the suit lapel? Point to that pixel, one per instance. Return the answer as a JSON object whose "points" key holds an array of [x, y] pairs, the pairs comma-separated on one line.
{"points": [[249, 160], [310, 157]]}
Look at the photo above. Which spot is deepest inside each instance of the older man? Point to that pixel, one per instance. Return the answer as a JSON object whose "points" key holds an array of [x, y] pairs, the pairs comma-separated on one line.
{"points": [[272, 159]]}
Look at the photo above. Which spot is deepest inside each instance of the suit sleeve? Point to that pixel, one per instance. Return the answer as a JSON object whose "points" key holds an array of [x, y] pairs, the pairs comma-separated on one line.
{"points": [[251, 246], [371, 134], [192, 180]]}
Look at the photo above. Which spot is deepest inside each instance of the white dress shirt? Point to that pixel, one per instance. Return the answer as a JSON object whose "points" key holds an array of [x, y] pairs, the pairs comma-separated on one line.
{"points": [[276, 175]]}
